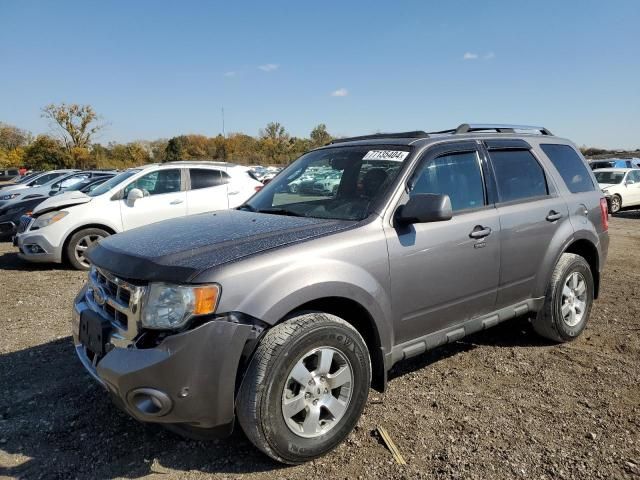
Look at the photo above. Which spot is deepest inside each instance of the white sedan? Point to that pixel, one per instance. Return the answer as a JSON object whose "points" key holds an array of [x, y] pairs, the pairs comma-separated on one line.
{"points": [[620, 185]]}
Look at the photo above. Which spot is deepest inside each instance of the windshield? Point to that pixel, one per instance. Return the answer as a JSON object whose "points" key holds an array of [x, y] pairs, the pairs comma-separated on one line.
{"points": [[109, 184], [340, 183], [609, 177]]}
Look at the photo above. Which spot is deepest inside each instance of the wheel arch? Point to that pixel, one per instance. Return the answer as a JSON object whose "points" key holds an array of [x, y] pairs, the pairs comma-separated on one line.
{"points": [[359, 318], [587, 250], [71, 233]]}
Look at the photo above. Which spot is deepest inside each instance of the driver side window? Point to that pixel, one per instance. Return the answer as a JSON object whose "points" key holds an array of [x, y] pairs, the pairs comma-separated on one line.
{"points": [[157, 183], [457, 175]]}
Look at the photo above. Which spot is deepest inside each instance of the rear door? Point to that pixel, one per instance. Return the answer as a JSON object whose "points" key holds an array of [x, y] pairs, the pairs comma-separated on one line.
{"points": [[443, 273], [164, 197], [531, 211], [207, 190]]}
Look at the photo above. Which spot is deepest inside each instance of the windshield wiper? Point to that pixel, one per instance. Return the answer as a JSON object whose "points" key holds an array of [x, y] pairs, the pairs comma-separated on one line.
{"points": [[280, 211]]}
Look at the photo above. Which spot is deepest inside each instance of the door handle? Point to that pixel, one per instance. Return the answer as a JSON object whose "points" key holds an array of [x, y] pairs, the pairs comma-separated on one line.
{"points": [[176, 202], [480, 232], [234, 192], [553, 216]]}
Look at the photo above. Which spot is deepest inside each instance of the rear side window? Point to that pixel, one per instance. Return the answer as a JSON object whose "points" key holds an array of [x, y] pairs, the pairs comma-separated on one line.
{"points": [[518, 174], [457, 175], [571, 167], [206, 178]]}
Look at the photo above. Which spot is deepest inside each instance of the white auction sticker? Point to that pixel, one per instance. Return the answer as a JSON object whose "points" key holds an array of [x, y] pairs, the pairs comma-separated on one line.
{"points": [[393, 155]]}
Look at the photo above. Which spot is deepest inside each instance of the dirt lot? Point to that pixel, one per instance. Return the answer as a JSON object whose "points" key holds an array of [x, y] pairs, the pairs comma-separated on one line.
{"points": [[500, 404]]}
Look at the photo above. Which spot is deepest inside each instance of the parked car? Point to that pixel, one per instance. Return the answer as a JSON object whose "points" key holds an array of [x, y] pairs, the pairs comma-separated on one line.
{"points": [[11, 215], [64, 227], [9, 174], [55, 184], [20, 180], [621, 187], [284, 312], [613, 163], [19, 190]]}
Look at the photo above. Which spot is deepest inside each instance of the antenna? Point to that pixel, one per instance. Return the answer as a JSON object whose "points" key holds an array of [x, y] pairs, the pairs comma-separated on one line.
{"points": [[223, 134]]}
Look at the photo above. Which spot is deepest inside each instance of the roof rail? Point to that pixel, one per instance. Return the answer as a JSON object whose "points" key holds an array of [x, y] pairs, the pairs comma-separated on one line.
{"points": [[499, 128], [413, 134]]}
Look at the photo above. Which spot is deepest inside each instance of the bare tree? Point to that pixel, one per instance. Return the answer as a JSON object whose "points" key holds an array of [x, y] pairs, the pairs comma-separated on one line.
{"points": [[75, 124]]}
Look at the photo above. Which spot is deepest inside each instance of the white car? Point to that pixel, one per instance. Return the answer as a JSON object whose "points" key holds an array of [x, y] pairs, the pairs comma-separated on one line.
{"points": [[63, 227], [620, 185]]}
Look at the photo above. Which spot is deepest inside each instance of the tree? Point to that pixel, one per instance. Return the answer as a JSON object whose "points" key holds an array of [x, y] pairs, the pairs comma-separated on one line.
{"points": [[45, 153], [76, 124], [319, 136], [274, 141], [13, 137]]}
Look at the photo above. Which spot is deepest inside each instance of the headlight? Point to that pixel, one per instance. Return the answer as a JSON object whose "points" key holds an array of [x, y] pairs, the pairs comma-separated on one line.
{"points": [[49, 218], [9, 196], [171, 306]]}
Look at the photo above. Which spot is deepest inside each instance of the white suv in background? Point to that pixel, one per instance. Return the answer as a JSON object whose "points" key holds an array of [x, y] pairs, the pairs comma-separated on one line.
{"points": [[65, 226], [620, 185]]}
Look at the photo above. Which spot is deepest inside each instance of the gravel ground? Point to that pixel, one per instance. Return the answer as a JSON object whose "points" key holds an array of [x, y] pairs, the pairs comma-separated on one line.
{"points": [[501, 404]]}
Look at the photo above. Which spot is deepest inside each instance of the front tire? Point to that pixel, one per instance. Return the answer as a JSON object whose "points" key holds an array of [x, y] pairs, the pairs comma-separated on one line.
{"points": [[305, 387], [568, 300], [616, 204], [79, 243]]}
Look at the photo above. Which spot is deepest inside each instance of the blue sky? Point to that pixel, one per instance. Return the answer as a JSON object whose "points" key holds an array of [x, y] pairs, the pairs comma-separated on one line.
{"points": [[158, 69]]}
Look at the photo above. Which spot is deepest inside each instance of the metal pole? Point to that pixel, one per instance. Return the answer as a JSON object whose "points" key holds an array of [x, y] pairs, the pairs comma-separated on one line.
{"points": [[223, 133]]}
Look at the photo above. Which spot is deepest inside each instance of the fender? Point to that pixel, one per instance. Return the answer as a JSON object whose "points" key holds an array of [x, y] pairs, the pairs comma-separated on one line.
{"points": [[562, 239], [307, 280]]}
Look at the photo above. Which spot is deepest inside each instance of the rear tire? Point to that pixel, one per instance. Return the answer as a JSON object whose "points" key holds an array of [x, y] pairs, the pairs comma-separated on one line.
{"points": [[568, 300], [305, 387], [79, 243]]}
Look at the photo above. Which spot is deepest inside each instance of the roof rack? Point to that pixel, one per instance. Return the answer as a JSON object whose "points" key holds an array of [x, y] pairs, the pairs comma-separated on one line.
{"points": [[499, 128], [413, 134]]}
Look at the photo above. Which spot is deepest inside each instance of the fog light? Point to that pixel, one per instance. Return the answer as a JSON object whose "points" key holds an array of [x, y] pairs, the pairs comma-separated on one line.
{"points": [[150, 402], [34, 249]]}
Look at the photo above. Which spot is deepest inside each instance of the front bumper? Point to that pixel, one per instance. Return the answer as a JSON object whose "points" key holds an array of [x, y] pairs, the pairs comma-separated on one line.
{"points": [[36, 247], [191, 375]]}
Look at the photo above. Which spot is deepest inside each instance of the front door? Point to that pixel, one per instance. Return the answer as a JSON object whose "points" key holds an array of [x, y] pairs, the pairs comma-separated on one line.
{"points": [[443, 273], [164, 198]]}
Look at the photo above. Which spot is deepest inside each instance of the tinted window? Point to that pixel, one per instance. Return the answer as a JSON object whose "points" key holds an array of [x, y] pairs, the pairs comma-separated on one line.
{"points": [[634, 176], [205, 178], [44, 179], [157, 183], [518, 174], [571, 167], [456, 175]]}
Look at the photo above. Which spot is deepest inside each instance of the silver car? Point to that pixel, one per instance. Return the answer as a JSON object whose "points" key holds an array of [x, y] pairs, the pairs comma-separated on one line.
{"points": [[282, 313]]}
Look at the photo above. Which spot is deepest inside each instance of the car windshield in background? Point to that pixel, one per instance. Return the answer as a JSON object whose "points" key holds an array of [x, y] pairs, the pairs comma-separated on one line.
{"points": [[339, 183], [609, 177], [109, 184]]}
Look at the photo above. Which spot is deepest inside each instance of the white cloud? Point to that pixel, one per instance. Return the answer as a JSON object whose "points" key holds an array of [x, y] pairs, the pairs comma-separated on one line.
{"points": [[229, 74], [470, 56], [341, 92], [490, 56], [269, 67]]}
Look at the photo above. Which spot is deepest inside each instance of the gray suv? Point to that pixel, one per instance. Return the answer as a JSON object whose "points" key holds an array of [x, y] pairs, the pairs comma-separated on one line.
{"points": [[283, 312]]}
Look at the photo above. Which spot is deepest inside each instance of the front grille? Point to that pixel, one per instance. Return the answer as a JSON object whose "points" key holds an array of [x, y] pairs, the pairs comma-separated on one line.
{"points": [[117, 300], [25, 221]]}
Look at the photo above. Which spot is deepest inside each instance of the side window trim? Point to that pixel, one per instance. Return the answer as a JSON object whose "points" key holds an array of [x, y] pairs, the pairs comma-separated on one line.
{"points": [[122, 196], [441, 150]]}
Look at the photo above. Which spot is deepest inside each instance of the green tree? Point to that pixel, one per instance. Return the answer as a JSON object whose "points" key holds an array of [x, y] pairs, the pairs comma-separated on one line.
{"points": [[13, 137], [319, 136], [45, 153], [274, 142]]}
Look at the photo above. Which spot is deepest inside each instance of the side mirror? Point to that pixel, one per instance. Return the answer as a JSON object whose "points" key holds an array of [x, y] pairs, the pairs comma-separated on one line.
{"points": [[425, 207], [134, 195]]}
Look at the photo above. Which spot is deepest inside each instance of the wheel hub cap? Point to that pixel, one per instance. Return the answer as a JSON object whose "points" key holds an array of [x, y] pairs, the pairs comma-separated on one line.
{"points": [[317, 392], [574, 299]]}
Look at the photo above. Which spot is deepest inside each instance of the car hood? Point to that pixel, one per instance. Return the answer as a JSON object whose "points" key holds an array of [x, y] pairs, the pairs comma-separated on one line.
{"points": [[66, 199], [179, 249]]}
